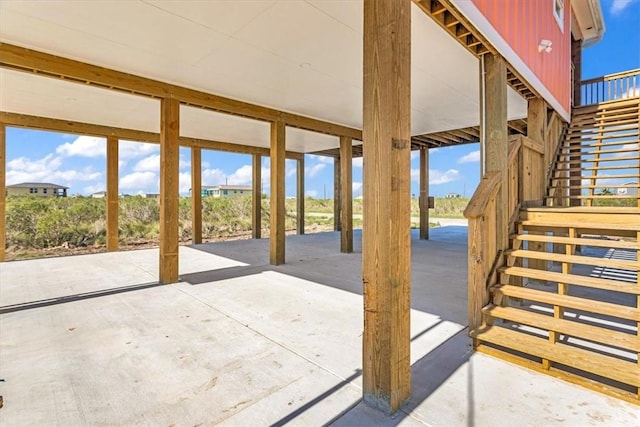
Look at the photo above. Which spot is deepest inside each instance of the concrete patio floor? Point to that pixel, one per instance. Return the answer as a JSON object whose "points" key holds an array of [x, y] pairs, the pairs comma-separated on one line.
{"points": [[238, 342]]}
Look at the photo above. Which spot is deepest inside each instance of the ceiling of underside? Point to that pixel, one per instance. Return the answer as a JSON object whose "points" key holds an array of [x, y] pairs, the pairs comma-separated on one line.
{"points": [[297, 56]]}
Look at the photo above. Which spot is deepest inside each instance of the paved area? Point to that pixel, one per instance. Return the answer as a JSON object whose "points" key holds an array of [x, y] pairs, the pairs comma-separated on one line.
{"points": [[89, 340]]}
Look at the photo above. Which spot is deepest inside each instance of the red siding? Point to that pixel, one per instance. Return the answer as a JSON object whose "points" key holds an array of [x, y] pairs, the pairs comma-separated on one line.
{"points": [[523, 24]]}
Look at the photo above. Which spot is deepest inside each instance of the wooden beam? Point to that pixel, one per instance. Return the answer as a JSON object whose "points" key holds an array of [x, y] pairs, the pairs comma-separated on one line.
{"points": [[386, 250], [423, 201], [536, 131], [196, 195], [78, 128], [112, 193], [346, 196], [277, 211], [337, 193], [169, 189], [496, 135], [256, 198], [35, 62], [3, 191], [300, 196]]}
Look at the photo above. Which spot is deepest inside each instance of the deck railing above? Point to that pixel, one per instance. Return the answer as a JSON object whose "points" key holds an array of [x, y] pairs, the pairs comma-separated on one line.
{"points": [[610, 87]]}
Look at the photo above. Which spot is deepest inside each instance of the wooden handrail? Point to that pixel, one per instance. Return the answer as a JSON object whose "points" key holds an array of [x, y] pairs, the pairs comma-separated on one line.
{"points": [[610, 87], [487, 189]]}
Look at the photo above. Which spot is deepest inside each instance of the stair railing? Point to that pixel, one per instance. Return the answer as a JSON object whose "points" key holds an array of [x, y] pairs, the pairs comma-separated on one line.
{"points": [[526, 185], [610, 87], [552, 173]]}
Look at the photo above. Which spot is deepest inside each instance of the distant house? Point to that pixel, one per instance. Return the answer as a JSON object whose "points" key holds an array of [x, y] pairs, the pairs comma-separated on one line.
{"points": [[99, 195], [453, 196], [628, 189], [151, 195], [226, 190], [40, 189]]}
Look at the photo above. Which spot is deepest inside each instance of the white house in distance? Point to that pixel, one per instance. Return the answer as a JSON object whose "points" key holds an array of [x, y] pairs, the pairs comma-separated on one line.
{"points": [[42, 189], [628, 189], [226, 190]]}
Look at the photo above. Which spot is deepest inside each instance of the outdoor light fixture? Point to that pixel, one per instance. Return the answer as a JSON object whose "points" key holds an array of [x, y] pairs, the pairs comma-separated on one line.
{"points": [[545, 45]]}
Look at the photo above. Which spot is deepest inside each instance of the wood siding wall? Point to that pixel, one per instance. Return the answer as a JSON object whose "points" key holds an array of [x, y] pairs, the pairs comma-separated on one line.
{"points": [[523, 24]]}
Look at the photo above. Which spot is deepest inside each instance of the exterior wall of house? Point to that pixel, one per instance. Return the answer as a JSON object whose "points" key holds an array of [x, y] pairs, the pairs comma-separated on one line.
{"points": [[226, 192], [34, 191], [522, 25]]}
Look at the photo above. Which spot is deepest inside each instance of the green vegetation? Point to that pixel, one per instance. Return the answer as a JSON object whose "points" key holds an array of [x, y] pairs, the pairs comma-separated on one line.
{"points": [[35, 225]]}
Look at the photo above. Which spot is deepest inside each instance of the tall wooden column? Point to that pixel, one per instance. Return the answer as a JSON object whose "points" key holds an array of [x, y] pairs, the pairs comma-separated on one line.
{"points": [[337, 192], [256, 198], [196, 195], [169, 189], [277, 213], [423, 200], [386, 250], [3, 190], [536, 130], [300, 196], [494, 118], [112, 193], [346, 195]]}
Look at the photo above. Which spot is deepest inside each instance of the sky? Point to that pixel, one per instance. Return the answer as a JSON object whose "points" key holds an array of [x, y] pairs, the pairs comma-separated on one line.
{"points": [[79, 161]]}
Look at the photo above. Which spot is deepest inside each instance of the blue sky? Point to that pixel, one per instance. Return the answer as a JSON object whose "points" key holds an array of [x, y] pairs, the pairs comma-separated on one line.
{"points": [[79, 161]]}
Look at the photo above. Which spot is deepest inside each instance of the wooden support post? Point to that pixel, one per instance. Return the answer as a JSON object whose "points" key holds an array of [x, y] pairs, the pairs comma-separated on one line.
{"points": [[300, 196], [3, 191], [536, 130], [196, 195], [277, 213], [169, 189], [423, 200], [112, 193], [495, 133], [337, 192], [386, 250], [346, 195], [256, 201]]}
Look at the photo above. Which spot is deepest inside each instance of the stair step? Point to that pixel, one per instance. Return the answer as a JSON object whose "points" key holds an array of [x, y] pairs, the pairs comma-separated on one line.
{"points": [[575, 259], [600, 243], [573, 152], [597, 196], [606, 128], [585, 360], [572, 279], [588, 187], [572, 328], [581, 225], [596, 168], [601, 159], [573, 141], [567, 301], [631, 113], [600, 178]]}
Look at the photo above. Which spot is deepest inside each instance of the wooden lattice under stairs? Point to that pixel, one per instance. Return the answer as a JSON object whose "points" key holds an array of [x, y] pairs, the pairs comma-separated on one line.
{"points": [[565, 299]]}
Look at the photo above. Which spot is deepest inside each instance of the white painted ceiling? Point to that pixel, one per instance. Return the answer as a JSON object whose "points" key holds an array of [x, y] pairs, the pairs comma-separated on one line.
{"points": [[298, 56]]}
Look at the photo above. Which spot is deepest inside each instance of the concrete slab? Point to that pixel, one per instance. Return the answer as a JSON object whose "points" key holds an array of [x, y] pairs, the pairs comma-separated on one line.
{"points": [[239, 343]]}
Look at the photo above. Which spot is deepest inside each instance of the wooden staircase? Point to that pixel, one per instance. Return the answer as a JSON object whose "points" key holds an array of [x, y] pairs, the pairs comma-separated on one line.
{"points": [[564, 299], [599, 160]]}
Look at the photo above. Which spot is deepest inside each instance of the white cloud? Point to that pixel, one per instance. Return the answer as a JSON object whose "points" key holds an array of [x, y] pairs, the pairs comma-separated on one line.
{"points": [[84, 146], [140, 182], [90, 189], [46, 169], [415, 154], [312, 171], [184, 182], [436, 177], [471, 157], [356, 162], [290, 168], [617, 6], [148, 164], [311, 193], [130, 149], [213, 177], [356, 188], [185, 164], [242, 176], [321, 159]]}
